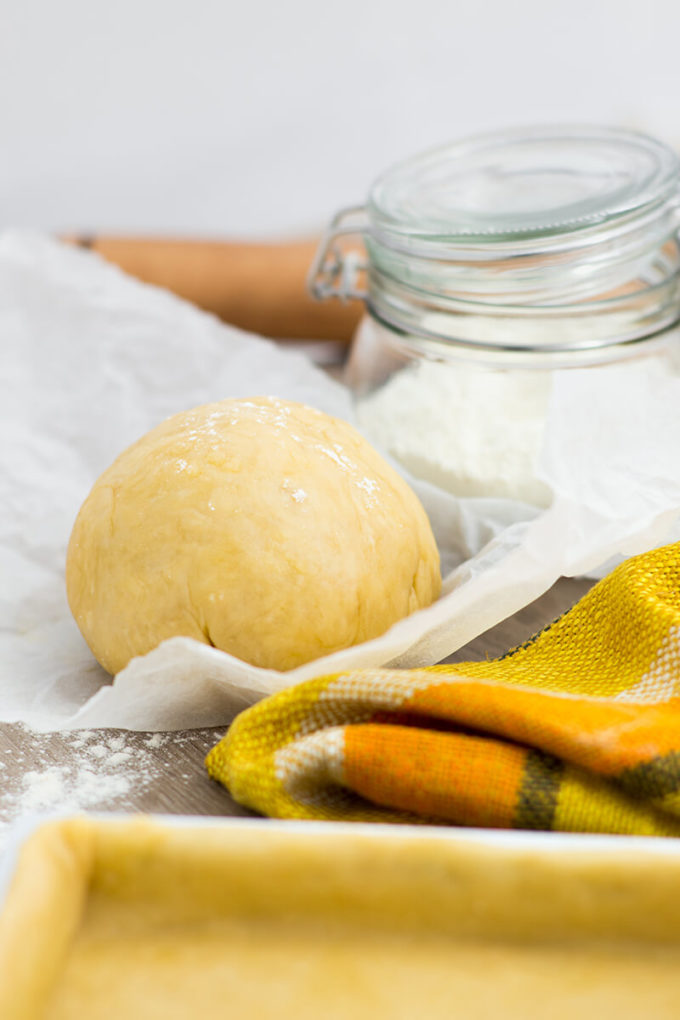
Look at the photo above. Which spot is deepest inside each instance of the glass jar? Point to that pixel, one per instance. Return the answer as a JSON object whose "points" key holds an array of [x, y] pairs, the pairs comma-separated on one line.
{"points": [[491, 266]]}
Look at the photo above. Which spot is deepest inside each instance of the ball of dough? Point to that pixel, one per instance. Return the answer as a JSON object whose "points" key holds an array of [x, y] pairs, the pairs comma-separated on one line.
{"points": [[265, 528]]}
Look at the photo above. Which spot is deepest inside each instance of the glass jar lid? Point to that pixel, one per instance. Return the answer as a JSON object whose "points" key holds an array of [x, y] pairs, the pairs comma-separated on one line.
{"points": [[531, 241], [523, 184]]}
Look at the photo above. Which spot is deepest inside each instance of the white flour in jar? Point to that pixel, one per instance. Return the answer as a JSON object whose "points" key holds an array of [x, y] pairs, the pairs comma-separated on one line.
{"points": [[471, 431]]}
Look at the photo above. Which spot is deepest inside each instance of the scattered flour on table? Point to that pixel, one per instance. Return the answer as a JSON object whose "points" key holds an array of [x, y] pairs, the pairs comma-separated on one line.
{"points": [[80, 771], [102, 769]]}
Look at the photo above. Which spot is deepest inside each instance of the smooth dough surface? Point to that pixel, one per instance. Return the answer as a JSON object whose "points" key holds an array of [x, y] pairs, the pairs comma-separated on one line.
{"points": [[263, 527]]}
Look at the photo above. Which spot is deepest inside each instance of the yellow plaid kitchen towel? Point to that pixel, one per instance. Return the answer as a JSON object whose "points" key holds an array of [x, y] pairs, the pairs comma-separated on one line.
{"points": [[577, 730]]}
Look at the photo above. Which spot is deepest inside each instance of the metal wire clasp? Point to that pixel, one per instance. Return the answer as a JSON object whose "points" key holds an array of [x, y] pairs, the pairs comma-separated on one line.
{"points": [[334, 271]]}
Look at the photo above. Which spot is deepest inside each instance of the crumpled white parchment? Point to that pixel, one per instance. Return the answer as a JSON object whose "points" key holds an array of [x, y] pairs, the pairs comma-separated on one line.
{"points": [[92, 359]]}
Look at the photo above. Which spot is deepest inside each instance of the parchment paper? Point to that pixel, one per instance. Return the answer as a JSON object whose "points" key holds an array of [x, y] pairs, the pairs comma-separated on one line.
{"points": [[92, 359]]}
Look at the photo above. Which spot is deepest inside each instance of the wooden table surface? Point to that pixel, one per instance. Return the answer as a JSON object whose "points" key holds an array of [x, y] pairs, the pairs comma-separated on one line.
{"points": [[122, 770]]}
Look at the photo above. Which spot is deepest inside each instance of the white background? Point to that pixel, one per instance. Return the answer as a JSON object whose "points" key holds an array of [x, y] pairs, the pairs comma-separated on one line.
{"points": [[218, 118]]}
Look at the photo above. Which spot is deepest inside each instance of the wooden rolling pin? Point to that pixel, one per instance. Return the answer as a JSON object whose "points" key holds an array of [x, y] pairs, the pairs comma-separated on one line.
{"points": [[259, 287]]}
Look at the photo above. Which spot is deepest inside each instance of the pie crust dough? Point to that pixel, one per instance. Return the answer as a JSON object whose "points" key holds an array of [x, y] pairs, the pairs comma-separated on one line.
{"points": [[263, 527], [108, 919]]}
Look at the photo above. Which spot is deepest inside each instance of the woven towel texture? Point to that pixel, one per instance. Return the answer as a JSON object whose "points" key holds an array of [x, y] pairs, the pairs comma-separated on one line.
{"points": [[577, 730]]}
